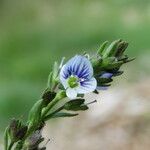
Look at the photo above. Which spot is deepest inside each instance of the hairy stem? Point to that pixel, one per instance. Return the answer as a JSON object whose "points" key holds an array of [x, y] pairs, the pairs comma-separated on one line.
{"points": [[11, 145], [53, 113], [6, 139], [58, 97]]}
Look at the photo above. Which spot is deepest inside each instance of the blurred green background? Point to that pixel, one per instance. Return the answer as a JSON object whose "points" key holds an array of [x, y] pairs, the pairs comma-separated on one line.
{"points": [[33, 34]]}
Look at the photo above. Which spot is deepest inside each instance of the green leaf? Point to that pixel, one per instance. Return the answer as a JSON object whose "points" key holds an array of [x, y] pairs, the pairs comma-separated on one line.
{"points": [[128, 60], [47, 97], [55, 70], [121, 48], [6, 139], [118, 73], [63, 114], [83, 108], [35, 114], [102, 48], [107, 61], [49, 82], [73, 104], [112, 48]]}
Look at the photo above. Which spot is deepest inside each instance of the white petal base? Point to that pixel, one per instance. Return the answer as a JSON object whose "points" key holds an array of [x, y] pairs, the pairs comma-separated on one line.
{"points": [[71, 93]]}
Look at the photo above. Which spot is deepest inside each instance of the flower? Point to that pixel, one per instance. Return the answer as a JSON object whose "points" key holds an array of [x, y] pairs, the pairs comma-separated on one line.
{"points": [[106, 75], [77, 76]]}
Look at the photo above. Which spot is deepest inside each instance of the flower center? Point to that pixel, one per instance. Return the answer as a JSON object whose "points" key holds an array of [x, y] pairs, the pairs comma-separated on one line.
{"points": [[73, 82]]}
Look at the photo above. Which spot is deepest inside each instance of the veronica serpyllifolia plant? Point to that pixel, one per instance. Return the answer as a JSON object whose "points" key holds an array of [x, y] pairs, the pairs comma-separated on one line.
{"points": [[77, 76], [67, 83]]}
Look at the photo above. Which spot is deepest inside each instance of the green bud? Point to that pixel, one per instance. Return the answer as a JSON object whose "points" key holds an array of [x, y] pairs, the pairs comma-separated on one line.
{"points": [[117, 73], [35, 114], [75, 105], [47, 97], [102, 48], [96, 63], [55, 70], [83, 108], [107, 62], [111, 50], [53, 77], [128, 60], [34, 140], [121, 48], [49, 82], [6, 133], [115, 65], [62, 114], [17, 130]]}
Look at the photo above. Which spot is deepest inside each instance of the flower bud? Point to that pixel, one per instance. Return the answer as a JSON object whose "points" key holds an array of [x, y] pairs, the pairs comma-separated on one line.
{"points": [[35, 115], [111, 50], [47, 97], [34, 140], [17, 130], [75, 105], [121, 48]]}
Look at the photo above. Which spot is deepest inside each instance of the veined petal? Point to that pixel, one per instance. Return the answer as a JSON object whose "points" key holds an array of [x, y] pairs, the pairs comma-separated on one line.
{"points": [[71, 93], [79, 66], [63, 77], [87, 86], [64, 73]]}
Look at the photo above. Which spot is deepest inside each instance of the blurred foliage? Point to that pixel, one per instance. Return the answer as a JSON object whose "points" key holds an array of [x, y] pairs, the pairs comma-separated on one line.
{"points": [[35, 33]]}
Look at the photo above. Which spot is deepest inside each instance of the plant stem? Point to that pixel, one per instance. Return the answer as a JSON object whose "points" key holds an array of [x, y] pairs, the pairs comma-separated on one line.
{"points": [[6, 139], [53, 113], [11, 145], [58, 97]]}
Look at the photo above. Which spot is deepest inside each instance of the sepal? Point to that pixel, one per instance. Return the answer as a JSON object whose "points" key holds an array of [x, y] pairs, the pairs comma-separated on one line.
{"points": [[75, 105], [17, 130], [35, 114], [47, 97], [34, 140], [62, 114]]}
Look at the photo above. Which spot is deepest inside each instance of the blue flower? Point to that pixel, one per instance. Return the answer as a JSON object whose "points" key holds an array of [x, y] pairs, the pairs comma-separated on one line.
{"points": [[106, 75], [77, 76]]}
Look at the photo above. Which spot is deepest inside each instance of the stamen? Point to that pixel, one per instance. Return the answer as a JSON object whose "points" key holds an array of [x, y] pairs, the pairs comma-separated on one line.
{"points": [[73, 81]]}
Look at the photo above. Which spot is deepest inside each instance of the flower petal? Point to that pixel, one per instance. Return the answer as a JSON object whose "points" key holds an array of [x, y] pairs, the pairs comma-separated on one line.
{"points": [[106, 75], [64, 74], [87, 86], [79, 66], [63, 78], [71, 93]]}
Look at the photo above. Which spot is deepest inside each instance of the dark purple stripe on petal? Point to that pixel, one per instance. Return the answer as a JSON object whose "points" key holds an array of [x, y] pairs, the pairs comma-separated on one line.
{"points": [[85, 83]]}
